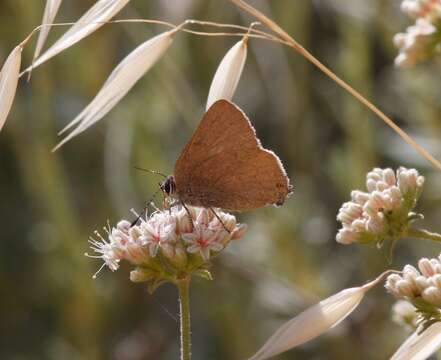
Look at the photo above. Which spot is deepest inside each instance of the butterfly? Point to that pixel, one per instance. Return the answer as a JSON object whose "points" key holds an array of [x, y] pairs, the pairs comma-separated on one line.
{"points": [[224, 165]]}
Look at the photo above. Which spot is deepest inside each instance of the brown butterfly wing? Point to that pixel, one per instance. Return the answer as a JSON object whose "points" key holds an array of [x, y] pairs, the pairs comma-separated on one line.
{"points": [[223, 165]]}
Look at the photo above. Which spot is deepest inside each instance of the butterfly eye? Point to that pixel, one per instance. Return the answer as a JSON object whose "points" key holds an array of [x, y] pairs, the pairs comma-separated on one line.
{"points": [[168, 185]]}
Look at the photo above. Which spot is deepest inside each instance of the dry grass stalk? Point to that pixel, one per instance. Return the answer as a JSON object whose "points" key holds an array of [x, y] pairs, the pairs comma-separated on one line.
{"points": [[228, 73], [93, 19], [50, 12], [9, 75], [120, 81], [307, 55], [420, 346]]}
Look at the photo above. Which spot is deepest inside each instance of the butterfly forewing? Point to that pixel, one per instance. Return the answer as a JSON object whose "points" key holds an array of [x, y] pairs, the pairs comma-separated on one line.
{"points": [[223, 165]]}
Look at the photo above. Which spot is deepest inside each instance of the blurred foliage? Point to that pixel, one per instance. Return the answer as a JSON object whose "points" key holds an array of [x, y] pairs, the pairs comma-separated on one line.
{"points": [[52, 309]]}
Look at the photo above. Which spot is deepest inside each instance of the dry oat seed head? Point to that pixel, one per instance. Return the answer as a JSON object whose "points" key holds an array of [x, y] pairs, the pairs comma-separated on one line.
{"points": [[9, 75], [228, 73], [314, 321], [132, 68], [50, 12], [420, 346], [92, 20]]}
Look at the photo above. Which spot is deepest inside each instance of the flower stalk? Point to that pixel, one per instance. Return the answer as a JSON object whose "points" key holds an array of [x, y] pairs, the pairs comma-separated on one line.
{"points": [[184, 317], [423, 234]]}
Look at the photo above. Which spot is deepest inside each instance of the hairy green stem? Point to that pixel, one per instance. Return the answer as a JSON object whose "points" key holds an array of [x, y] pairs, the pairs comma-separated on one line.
{"points": [[184, 317], [423, 234]]}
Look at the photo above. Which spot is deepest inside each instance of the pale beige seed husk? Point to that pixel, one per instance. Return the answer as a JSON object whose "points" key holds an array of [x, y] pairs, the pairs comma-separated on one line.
{"points": [[120, 81], [92, 20], [50, 12], [228, 73], [9, 75], [314, 321], [420, 346]]}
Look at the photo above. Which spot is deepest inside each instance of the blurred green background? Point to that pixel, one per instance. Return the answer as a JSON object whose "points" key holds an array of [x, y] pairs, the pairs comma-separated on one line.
{"points": [[51, 308]]}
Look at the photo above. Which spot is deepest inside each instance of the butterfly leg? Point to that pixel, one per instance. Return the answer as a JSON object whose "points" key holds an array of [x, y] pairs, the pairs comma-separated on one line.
{"points": [[144, 210], [188, 213], [220, 220]]}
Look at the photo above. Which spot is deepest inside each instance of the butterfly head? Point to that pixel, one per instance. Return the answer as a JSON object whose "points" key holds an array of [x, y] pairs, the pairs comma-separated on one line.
{"points": [[168, 186]]}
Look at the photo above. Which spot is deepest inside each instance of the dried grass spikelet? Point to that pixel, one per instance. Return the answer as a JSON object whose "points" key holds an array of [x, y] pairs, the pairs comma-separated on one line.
{"points": [[93, 19], [314, 321], [228, 73], [120, 81], [420, 346], [50, 12], [9, 75]]}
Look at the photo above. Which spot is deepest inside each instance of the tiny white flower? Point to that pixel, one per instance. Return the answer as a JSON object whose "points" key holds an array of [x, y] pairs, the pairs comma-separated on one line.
{"points": [[346, 236], [105, 251], [239, 231], [426, 267], [159, 229], [405, 314], [202, 241]]}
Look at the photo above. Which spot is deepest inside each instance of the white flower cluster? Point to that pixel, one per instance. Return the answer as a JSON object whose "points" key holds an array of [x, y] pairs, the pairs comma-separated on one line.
{"points": [[414, 44], [168, 242], [418, 42], [422, 288], [429, 9], [405, 314], [384, 210]]}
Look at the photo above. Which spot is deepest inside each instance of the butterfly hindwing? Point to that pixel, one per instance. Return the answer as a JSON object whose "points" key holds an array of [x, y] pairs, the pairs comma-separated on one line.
{"points": [[223, 165]]}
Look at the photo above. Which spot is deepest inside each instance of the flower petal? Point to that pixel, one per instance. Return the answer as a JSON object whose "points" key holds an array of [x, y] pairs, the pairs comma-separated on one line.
{"points": [[50, 12], [228, 73], [9, 75], [215, 246], [92, 20], [420, 346], [189, 237], [120, 81], [314, 321]]}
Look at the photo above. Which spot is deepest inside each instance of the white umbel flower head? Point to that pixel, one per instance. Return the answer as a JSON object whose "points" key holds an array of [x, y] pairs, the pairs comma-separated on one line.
{"points": [[429, 9], [416, 44], [384, 211], [421, 287], [168, 244]]}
